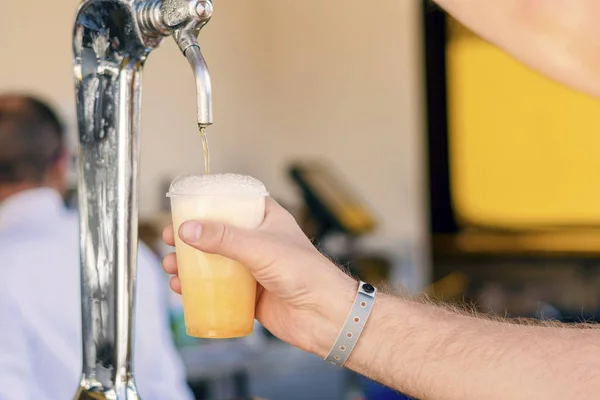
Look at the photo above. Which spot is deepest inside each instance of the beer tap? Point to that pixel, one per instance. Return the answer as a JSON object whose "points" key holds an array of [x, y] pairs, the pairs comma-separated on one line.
{"points": [[111, 42]]}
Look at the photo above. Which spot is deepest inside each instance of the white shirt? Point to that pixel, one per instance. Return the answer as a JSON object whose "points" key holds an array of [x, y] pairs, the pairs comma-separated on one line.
{"points": [[40, 308]]}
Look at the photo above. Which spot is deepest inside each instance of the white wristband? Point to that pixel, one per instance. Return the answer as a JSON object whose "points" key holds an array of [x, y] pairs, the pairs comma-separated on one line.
{"points": [[353, 327]]}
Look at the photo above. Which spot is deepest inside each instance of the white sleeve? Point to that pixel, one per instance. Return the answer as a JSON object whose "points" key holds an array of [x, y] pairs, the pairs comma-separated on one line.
{"points": [[14, 363], [158, 368]]}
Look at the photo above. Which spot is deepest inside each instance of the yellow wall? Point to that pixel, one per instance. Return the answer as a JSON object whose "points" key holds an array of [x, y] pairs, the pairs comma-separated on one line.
{"points": [[524, 150]]}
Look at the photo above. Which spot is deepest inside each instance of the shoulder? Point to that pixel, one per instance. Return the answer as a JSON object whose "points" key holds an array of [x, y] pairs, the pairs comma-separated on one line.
{"points": [[39, 248], [150, 274], [15, 252], [146, 256], [10, 293], [149, 265]]}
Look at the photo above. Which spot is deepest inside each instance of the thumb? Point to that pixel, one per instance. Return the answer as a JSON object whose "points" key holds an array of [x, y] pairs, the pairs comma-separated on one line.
{"points": [[246, 246]]}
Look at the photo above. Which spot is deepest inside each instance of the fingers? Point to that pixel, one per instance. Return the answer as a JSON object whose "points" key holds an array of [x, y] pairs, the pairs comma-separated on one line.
{"points": [[254, 248], [169, 263], [175, 284], [168, 235], [276, 217], [170, 266], [271, 205], [218, 238]]}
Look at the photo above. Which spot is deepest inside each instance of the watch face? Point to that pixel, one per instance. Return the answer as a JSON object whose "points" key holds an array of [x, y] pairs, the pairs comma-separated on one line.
{"points": [[368, 288]]}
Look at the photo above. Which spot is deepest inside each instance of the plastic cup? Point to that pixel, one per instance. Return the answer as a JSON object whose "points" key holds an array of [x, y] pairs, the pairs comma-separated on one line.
{"points": [[219, 294]]}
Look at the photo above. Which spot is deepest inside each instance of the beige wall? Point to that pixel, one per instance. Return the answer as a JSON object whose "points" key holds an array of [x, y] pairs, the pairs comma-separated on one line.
{"points": [[292, 79]]}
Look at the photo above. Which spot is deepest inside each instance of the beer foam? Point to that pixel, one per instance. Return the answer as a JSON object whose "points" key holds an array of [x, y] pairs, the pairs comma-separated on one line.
{"points": [[217, 185]]}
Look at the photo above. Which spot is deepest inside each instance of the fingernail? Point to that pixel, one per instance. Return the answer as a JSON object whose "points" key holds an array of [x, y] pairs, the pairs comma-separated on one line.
{"points": [[190, 231]]}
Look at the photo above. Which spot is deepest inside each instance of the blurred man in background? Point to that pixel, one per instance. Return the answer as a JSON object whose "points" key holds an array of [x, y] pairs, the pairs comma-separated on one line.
{"points": [[40, 309]]}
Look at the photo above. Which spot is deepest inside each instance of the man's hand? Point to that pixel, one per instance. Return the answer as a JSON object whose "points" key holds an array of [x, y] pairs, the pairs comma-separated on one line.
{"points": [[303, 298], [420, 349]]}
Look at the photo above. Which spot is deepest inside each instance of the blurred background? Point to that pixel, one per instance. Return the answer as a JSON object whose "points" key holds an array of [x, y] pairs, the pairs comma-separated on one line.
{"points": [[416, 153]]}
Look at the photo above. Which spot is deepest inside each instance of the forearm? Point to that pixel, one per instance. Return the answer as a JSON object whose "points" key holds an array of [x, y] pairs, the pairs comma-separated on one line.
{"points": [[559, 38], [434, 353]]}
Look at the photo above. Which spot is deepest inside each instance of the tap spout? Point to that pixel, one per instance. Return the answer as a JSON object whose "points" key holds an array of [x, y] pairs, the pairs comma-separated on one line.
{"points": [[203, 85]]}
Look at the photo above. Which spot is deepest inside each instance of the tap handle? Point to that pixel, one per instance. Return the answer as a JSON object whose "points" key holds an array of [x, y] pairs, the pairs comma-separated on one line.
{"points": [[185, 18]]}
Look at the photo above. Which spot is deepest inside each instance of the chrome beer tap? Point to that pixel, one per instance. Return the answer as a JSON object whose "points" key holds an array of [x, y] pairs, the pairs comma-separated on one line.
{"points": [[111, 41]]}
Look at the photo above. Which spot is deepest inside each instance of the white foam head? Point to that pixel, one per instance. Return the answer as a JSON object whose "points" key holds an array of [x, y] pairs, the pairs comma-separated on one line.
{"points": [[217, 185]]}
